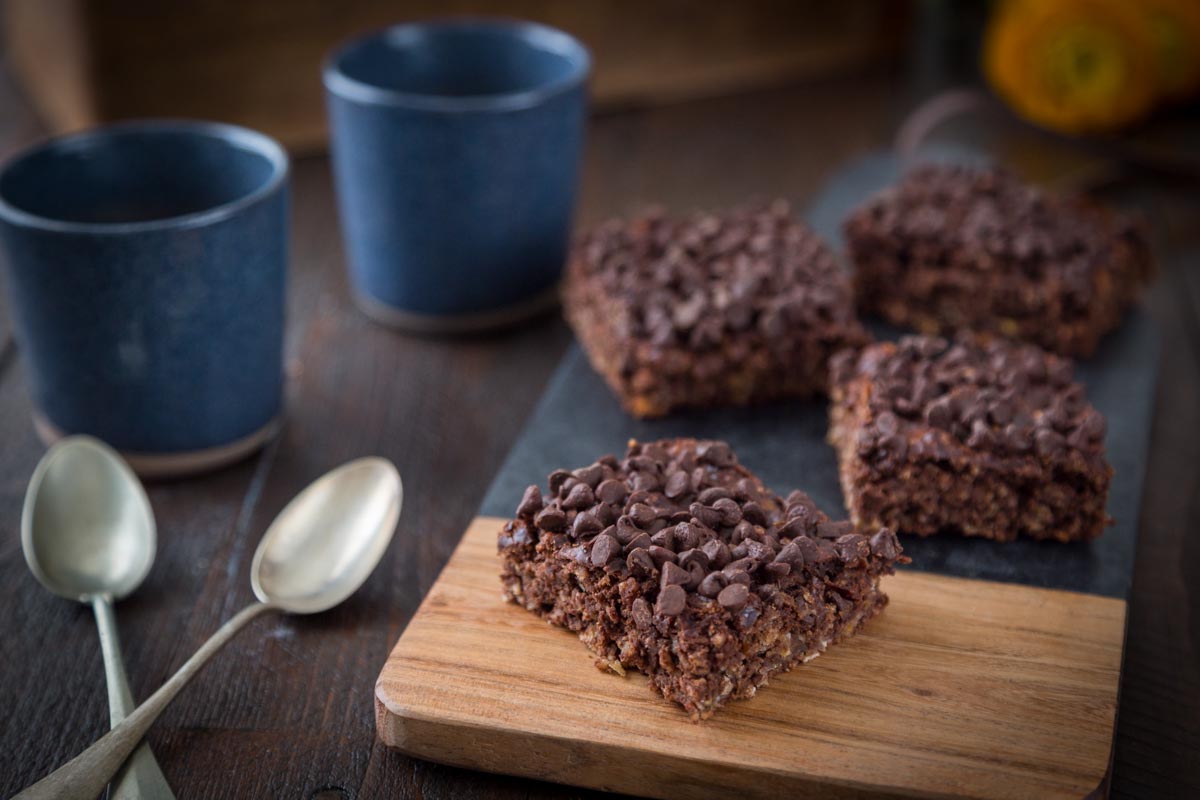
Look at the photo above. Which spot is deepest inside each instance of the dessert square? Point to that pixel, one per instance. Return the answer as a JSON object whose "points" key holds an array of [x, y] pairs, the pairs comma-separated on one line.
{"points": [[955, 248], [709, 310], [980, 437], [678, 562]]}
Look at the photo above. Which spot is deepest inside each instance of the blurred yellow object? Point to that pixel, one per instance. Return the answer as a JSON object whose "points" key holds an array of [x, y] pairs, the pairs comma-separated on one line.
{"points": [[1082, 66], [1175, 30]]}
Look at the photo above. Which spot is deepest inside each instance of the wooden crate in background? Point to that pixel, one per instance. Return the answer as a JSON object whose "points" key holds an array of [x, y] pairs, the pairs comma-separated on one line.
{"points": [[257, 62]]}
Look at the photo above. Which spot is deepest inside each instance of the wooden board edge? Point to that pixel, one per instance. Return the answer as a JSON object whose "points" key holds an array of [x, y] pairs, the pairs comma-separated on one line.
{"points": [[557, 760], [561, 761]]}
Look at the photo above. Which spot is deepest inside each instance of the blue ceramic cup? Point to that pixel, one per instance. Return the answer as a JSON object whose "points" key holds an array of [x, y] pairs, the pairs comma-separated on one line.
{"points": [[146, 267], [456, 148]]}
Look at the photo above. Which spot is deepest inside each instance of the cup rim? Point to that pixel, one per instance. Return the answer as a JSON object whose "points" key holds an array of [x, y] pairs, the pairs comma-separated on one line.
{"points": [[233, 135], [339, 83]]}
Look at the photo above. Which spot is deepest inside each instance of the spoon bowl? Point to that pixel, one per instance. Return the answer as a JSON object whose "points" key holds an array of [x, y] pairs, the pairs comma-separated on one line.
{"points": [[320, 549], [88, 534], [87, 528], [327, 540]]}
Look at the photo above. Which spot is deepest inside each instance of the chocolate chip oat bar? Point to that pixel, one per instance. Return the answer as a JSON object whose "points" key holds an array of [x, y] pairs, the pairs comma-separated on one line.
{"points": [[678, 562], [709, 310], [979, 437], [952, 248]]}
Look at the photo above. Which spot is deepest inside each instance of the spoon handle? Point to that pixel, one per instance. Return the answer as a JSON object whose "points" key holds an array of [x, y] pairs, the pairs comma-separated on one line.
{"points": [[84, 776], [141, 778]]}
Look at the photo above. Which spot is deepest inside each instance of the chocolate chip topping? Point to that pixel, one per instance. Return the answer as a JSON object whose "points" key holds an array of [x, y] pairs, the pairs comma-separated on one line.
{"points": [[671, 601], [1002, 222], [716, 532], [987, 393], [689, 281]]}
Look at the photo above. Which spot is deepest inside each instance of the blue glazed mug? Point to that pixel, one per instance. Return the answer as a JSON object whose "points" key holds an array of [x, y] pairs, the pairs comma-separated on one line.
{"points": [[456, 148], [146, 266]]}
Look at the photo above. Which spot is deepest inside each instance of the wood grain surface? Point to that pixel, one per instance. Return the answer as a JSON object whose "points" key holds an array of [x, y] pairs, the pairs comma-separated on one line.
{"points": [[286, 709], [960, 688]]}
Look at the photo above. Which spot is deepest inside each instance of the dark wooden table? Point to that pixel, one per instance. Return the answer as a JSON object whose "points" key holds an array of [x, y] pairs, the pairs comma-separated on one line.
{"points": [[286, 710]]}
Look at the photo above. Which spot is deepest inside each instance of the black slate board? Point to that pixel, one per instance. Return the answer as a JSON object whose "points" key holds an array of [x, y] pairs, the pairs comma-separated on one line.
{"points": [[579, 419]]}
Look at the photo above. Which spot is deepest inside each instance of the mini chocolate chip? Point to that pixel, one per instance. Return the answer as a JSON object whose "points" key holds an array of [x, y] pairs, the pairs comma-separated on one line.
{"points": [[852, 548], [795, 527], [777, 570], [742, 531], [661, 555], [885, 544], [642, 540], [687, 536], [673, 573], [531, 502], [712, 495], [604, 548], [743, 564], [981, 435], [694, 555], [664, 538], [695, 574], [712, 584], [639, 562], [707, 516], [753, 513], [825, 551], [608, 514], [677, 485], [745, 488], [940, 413], [642, 514], [736, 576], [730, 511], [587, 522], [645, 482], [808, 548], [717, 552], [556, 479], [551, 519], [580, 497], [591, 475], [642, 464], [1049, 443], [1000, 412], [1018, 437], [739, 551], [790, 553], [832, 530], [759, 551], [611, 491], [671, 601], [733, 596], [718, 454]]}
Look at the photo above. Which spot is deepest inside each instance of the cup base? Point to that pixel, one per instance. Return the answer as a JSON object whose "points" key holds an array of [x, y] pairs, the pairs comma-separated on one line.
{"points": [[457, 323], [175, 465]]}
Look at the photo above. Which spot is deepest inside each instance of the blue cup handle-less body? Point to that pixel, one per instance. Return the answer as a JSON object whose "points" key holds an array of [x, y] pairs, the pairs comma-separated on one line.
{"points": [[146, 267], [456, 150]]}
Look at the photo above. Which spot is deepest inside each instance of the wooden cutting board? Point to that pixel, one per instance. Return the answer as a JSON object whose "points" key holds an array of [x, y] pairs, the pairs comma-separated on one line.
{"points": [[993, 673], [961, 688]]}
